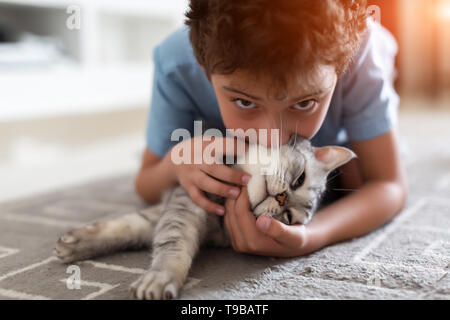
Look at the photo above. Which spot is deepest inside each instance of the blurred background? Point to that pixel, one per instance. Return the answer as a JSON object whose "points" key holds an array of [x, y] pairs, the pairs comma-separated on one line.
{"points": [[75, 84]]}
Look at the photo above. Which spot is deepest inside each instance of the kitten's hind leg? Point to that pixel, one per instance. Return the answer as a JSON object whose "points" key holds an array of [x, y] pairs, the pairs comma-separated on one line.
{"points": [[178, 236], [130, 231]]}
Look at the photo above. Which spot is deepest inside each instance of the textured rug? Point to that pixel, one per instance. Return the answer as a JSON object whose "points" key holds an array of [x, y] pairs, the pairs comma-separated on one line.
{"points": [[408, 258]]}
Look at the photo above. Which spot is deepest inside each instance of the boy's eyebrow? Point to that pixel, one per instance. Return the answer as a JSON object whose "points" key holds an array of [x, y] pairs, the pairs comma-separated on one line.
{"points": [[241, 92], [318, 92]]}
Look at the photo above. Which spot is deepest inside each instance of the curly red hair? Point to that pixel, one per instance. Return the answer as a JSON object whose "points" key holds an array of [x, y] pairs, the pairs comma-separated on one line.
{"points": [[275, 37]]}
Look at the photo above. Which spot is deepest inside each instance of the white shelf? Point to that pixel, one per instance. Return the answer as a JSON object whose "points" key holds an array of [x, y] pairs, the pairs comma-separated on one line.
{"points": [[111, 54], [73, 90], [170, 8]]}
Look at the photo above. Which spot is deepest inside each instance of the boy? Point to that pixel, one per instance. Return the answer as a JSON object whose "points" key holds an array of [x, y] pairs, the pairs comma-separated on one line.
{"points": [[315, 68]]}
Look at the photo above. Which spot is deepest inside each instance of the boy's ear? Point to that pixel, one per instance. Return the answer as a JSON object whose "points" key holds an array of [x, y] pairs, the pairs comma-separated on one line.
{"points": [[333, 157]]}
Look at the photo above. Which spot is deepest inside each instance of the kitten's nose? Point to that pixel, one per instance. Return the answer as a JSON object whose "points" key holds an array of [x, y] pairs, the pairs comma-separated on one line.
{"points": [[281, 198]]}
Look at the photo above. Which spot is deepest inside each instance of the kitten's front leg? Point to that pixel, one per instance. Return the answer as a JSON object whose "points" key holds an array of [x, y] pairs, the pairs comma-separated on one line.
{"points": [[177, 238], [133, 230]]}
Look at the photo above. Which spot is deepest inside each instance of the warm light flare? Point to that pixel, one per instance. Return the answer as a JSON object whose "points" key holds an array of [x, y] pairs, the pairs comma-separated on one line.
{"points": [[443, 9]]}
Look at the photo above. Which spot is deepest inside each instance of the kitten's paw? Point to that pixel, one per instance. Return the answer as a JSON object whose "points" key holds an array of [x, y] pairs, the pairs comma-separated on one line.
{"points": [[78, 244], [155, 285]]}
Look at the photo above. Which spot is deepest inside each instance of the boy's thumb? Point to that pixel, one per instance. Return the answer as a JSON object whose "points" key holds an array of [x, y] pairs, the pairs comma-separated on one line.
{"points": [[279, 231], [263, 223]]}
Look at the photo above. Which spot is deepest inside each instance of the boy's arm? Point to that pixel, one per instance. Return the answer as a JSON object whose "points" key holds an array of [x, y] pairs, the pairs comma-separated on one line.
{"points": [[380, 198], [382, 195], [154, 177]]}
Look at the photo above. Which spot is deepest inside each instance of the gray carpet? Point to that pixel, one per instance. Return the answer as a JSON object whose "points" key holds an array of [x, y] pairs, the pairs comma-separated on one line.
{"points": [[408, 258]]}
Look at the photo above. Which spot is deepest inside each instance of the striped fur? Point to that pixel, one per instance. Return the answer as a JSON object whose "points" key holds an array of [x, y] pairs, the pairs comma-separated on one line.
{"points": [[176, 228]]}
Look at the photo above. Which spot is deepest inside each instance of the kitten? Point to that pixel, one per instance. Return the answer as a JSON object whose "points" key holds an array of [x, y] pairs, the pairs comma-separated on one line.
{"points": [[176, 228]]}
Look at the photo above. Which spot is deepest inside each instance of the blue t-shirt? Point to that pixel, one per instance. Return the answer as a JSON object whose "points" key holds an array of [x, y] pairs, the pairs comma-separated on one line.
{"points": [[364, 104]]}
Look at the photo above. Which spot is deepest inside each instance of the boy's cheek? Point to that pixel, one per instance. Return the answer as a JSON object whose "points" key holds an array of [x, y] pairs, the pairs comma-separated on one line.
{"points": [[309, 125], [309, 128]]}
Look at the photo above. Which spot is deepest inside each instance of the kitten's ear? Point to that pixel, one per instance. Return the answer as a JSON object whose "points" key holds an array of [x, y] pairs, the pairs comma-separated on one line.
{"points": [[333, 157]]}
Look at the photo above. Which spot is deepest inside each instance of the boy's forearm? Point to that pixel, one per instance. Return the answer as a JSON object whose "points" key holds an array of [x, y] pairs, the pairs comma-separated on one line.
{"points": [[358, 213], [151, 182]]}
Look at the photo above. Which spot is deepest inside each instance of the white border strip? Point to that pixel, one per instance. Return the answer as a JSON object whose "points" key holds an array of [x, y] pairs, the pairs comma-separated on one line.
{"points": [[32, 266], [104, 287], [114, 267], [7, 251], [21, 295]]}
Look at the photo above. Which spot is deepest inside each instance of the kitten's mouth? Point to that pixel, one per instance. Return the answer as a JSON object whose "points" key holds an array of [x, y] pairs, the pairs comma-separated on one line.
{"points": [[279, 213], [285, 217], [288, 215], [253, 208]]}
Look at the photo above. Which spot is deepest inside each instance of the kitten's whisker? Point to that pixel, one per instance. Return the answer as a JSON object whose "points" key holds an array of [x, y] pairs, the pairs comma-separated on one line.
{"points": [[344, 189], [281, 129], [280, 139], [334, 177], [295, 138]]}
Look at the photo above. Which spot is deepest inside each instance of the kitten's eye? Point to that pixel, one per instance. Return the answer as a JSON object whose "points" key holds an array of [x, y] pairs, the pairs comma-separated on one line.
{"points": [[244, 104], [305, 105], [299, 182]]}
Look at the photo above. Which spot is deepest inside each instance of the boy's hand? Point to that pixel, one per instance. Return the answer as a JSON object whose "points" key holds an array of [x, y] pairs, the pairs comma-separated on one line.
{"points": [[263, 236], [197, 179]]}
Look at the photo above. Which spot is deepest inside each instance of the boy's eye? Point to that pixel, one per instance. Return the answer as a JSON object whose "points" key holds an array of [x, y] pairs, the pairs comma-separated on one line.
{"points": [[305, 105], [244, 104]]}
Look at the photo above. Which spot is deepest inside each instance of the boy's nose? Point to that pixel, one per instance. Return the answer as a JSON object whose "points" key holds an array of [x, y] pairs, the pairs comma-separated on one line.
{"points": [[279, 137], [285, 138]]}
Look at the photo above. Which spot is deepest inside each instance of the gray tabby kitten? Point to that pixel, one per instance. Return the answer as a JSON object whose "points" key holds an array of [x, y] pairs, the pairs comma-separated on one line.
{"points": [[177, 227]]}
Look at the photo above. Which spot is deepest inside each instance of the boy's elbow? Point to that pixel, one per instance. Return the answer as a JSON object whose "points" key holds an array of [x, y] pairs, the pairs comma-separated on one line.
{"points": [[399, 194], [138, 185], [142, 189]]}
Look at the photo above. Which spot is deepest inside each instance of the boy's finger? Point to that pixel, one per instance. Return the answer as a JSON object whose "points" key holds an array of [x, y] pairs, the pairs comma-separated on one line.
{"points": [[246, 221], [236, 235], [243, 203], [208, 184], [202, 201], [227, 174], [227, 221], [244, 217], [291, 236]]}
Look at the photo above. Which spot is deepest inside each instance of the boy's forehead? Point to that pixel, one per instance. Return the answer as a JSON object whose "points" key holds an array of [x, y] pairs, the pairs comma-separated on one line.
{"points": [[320, 79]]}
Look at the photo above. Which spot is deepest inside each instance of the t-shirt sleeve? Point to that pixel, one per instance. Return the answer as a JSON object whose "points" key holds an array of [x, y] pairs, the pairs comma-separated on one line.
{"points": [[170, 108], [369, 98]]}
